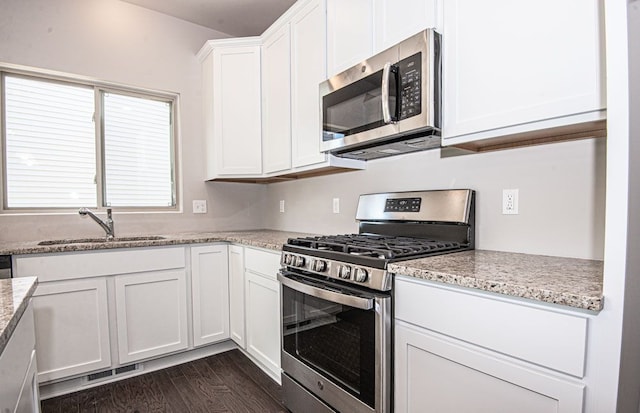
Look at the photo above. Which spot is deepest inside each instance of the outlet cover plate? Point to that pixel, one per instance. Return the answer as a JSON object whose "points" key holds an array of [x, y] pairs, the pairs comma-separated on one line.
{"points": [[200, 206]]}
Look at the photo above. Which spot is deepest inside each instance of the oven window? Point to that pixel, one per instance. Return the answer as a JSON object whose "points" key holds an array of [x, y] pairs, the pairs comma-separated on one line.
{"points": [[336, 340], [356, 108]]}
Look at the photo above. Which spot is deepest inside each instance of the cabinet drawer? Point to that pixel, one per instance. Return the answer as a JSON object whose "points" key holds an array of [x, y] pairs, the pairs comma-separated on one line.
{"points": [[548, 338], [65, 266], [262, 262]]}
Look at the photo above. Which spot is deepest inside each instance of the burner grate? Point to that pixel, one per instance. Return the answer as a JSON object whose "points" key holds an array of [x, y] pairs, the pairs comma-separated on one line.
{"points": [[375, 246]]}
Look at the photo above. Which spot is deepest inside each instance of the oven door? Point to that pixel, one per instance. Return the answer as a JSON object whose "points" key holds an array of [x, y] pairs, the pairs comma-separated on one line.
{"points": [[337, 342]]}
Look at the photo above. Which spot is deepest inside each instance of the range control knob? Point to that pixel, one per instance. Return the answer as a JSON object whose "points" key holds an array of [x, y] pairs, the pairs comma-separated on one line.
{"points": [[287, 259], [298, 261], [360, 275], [319, 265], [344, 271]]}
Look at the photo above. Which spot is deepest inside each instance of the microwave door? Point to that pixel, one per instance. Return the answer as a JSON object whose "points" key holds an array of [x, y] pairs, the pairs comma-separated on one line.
{"points": [[357, 108]]}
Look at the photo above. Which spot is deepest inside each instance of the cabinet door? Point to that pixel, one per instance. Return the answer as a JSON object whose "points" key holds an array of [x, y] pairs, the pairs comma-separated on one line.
{"points": [[276, 101], [396, 20], [151, 314], [308, 69], [449, 376], [17, 364], [502, 69], [236, 294], [210, 293], [263, 321], [236, 110], [29, 401], [72, 328], [349, 33]]}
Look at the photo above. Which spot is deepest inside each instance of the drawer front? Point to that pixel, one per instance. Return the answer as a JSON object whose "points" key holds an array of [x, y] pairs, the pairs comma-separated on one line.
{"points": [[66, 266], [548, 338], [262, 262]]}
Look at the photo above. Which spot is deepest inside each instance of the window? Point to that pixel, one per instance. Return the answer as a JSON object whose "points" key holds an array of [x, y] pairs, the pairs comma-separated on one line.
{"points": [[69, 145]]}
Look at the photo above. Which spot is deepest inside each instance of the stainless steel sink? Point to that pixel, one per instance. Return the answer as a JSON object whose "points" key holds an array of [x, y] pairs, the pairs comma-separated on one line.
{"points": [[101, 240]]}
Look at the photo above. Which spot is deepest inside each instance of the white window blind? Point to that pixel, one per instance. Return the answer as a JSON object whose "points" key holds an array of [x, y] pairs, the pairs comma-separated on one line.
{"points": [[50, 144], [137, 151]]}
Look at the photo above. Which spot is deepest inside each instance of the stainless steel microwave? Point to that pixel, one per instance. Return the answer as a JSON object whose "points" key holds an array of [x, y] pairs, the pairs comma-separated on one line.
{"points": [[387, 105]]}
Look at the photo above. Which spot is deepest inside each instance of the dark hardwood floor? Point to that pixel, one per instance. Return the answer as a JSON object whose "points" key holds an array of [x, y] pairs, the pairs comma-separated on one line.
{"points": [[226, 382]]}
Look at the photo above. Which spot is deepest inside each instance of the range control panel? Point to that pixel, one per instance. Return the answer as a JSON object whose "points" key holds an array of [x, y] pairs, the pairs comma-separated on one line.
{"points": [[373, 278], [402, 205]]}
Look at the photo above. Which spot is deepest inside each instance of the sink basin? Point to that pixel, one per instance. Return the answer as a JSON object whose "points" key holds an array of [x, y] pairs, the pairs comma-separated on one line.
{"points": [[101, 240]]}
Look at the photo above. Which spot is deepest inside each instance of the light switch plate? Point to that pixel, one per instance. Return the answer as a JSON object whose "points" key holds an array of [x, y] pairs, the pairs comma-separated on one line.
{"points": [[200, 206]]}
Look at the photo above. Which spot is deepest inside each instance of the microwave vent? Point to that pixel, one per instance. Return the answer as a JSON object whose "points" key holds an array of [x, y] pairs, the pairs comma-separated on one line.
{"points": [[397, 146]]}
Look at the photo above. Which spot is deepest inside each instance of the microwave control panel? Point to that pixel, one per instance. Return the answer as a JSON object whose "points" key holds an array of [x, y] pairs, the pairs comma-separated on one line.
{"points": [[410, 76]]}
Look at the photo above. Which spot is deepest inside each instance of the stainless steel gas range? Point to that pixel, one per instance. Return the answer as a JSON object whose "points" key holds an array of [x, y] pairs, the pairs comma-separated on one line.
{"points": [[337, 305]]}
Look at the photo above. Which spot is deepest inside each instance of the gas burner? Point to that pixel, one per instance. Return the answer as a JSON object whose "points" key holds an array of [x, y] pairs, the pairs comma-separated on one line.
{"points": [[375, 246]]}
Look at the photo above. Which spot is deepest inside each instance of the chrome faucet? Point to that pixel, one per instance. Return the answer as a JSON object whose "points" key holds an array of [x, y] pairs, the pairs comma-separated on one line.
{"points": [[107, 224]]}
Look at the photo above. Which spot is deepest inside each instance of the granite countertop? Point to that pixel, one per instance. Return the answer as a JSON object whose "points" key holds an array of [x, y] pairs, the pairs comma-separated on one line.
{"points": [[14, 298], [263, 238], [566, 281]]}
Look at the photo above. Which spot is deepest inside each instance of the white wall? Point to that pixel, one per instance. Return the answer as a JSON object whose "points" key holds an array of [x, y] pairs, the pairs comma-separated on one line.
{"points": [[629, 392], [561, 195], [118, 42]]}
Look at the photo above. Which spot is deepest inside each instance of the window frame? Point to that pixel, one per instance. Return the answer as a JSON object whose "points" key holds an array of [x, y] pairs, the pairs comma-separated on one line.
{"points": [[99, 89]]}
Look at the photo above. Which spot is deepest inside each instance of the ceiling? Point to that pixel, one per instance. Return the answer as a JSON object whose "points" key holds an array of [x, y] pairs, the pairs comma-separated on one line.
{"points": [[237, 18]]}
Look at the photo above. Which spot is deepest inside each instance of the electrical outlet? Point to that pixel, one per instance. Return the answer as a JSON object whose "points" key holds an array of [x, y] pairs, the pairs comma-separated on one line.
{"points": [[282, 205], [510, 202], [336, 205], [200, 206]]}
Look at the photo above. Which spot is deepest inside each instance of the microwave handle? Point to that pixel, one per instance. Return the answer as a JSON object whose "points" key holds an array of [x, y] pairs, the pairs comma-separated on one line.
{"points": [[386, 111], [333, 296]]}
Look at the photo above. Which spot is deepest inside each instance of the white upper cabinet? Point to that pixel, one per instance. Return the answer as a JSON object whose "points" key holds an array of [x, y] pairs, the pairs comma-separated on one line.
{"points": [[349, 33], [308, 69], [276, 100], [513, 67], [232, 110], [397, 20], [358, 29]]}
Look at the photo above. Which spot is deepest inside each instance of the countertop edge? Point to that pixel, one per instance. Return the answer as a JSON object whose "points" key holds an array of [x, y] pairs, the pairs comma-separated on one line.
{"points": [[593, 303], [7, 332]]}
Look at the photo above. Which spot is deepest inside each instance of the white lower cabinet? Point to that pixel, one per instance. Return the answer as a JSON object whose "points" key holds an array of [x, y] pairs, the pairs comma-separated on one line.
{"points": [[236, 295], [255, 305], [434, 373], [458, 351], [263, 320], [18, 373], [72, 327], [151, 314], [209, 294], [85, 301]]}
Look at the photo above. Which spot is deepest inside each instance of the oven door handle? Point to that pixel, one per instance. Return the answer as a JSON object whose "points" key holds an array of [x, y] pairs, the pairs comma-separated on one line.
{"points": [[333, 296]]}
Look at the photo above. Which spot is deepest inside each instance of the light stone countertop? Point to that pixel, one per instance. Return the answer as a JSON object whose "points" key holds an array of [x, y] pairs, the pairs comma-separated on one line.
{"points": [[565, 281], [14, 298], [262, 238]]}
